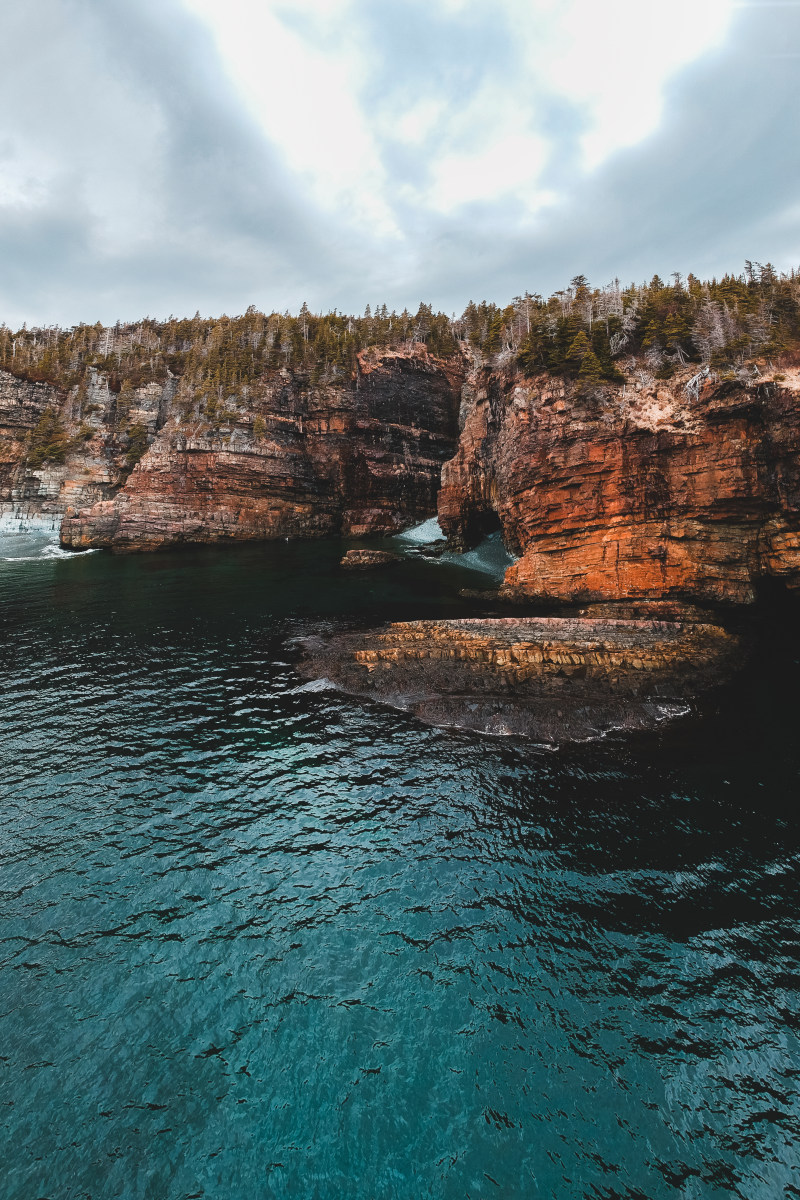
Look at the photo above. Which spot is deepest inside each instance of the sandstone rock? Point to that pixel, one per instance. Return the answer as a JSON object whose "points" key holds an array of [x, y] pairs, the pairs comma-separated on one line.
{"points": [[95, 440], [353, 459], [365, 560], [618, 493], [551, 679]]}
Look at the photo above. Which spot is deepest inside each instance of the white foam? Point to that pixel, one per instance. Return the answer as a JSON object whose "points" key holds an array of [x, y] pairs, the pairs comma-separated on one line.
{"points": [[314, 685], [420, 535], [33, 537], [490, 557], [49, 551]]}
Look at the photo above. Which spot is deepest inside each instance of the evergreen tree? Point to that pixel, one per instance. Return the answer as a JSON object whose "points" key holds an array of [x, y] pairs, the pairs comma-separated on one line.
{"points": [[580, 348], [591, 367]]}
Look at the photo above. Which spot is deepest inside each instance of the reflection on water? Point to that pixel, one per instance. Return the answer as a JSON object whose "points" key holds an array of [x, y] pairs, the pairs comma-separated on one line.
{"points": [[258, 941]]}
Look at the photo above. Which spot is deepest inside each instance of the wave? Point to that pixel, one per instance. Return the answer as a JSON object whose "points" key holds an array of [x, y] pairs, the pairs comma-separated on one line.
{"points": [[490, 557], [49, 551], [420, 535]]}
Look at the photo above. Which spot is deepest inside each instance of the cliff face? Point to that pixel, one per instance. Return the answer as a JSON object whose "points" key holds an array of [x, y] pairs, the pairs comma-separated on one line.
{"points": [[644, 491], [282, 459], [60, 448]]}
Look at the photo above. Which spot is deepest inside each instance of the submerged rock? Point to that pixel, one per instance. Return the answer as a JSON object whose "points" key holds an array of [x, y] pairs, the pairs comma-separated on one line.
{"points": [[365, 560], [552, 679]]}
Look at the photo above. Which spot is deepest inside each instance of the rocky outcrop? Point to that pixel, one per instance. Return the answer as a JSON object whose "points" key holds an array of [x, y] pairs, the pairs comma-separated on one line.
{"points": [[83, 458], [644, 490], [287, 458], [548, 678], [651, 489], [368, 560]]}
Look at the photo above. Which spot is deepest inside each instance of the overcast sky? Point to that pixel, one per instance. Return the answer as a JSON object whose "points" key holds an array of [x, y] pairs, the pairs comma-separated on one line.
{"points": [[160, 156]]}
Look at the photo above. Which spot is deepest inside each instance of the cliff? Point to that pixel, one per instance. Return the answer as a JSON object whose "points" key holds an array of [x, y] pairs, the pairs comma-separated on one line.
{"points": [[647, 489], [615, 470], [140, 468], [62, 447], [652, 488], [289, 459]]}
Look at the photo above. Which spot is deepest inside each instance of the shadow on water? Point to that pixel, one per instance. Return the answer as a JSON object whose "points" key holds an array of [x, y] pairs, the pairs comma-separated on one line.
{"points": [[260, 941]]}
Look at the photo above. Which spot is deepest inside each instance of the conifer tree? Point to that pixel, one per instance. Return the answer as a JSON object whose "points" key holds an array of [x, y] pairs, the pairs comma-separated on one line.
{"points": [[581, 346], [591, 367]]}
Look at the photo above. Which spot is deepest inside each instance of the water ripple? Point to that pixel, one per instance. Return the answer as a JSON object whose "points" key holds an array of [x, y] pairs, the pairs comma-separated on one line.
{"points": [[257, 940]]}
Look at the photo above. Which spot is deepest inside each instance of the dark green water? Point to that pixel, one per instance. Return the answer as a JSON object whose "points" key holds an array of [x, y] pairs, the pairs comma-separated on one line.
{"points": [[260, 942]]}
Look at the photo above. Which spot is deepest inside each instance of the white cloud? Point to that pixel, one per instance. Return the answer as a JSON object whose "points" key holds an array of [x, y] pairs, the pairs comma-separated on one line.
{"points": [[616, 58], [305, 98], [304, 71], [164, 155], [95, 141], [510, 164], [24, 176]]}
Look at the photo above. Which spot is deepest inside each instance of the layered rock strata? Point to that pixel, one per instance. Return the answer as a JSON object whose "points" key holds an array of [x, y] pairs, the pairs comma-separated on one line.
{"points": [[368, 560], [87, 460], [288, 459], [651, 489], [547, 678]]}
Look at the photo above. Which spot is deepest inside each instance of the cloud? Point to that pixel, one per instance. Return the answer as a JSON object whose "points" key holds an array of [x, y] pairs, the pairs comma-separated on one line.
{"points": [[159, 156], [137, 184]]}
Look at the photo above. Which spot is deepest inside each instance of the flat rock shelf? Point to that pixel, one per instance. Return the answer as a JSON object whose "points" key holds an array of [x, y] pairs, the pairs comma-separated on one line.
{"points": [[552, 679]]}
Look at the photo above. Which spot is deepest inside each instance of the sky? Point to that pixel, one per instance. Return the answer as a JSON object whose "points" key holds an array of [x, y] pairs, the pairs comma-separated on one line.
{"points": [[165, 156]]}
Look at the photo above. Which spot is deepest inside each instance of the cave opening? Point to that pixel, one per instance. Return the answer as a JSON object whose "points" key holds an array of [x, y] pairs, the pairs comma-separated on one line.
{"points": [[481, 526], [777, 603]]}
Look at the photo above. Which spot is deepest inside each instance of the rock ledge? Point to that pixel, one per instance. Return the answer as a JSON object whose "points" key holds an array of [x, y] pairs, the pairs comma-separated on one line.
{"points": [[553, 679]]}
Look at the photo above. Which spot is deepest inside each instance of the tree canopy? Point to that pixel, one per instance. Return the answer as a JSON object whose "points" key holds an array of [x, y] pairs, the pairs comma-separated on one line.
{"points": [[581, 331]]}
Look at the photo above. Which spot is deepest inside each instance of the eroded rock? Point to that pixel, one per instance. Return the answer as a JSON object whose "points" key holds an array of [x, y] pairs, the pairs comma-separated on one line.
{"points": [[355, 458], [626, 492], [552, 679], [366, 560]]}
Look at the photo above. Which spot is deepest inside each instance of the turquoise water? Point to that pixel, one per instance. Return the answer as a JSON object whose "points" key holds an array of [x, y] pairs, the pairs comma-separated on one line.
{"points": [[258, 941]]}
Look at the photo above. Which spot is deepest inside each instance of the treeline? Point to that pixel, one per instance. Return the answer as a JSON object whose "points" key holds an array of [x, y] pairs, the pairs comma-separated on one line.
{"points": [[223, 353], [591, 333]]}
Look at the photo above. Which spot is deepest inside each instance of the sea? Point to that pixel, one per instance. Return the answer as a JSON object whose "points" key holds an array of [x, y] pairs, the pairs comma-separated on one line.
{"points": [[259, 940]]}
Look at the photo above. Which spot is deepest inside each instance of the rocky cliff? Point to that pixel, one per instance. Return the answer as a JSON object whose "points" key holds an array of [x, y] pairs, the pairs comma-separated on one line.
{"points": [[139, 468], [679, 488], [628, 488], [288, 459], [64, 447]]}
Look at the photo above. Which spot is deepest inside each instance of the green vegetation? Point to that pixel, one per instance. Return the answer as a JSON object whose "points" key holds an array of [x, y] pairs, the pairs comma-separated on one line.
{"points": [[583, 332], [137, 444], [48, 441]]}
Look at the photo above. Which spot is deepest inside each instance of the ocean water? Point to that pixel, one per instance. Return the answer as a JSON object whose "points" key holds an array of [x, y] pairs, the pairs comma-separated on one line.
{"points": [[258, 941]]}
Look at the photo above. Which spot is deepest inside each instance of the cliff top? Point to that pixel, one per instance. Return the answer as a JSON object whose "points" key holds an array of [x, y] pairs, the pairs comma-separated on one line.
{"points": [[611, 334]]}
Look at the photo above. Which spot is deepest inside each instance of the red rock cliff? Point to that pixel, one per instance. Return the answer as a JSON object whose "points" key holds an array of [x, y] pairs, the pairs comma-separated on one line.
{"points": [[289, 459], [646, 490], [82, 448]]}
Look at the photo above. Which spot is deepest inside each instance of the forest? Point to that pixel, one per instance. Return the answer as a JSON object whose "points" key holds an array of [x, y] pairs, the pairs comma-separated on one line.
{"points": [[590, 333]]}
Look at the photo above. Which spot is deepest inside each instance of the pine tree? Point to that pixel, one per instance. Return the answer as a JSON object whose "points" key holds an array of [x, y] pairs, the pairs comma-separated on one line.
{"points": [[49, 442], [591, 367], [581, 346]]}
